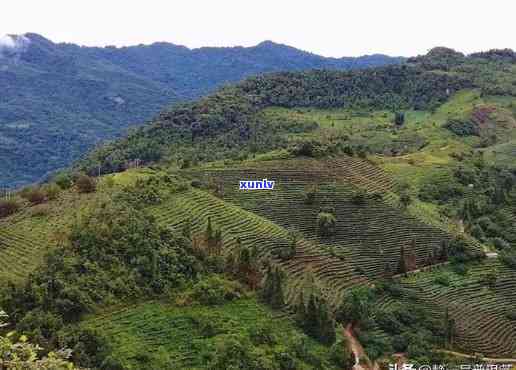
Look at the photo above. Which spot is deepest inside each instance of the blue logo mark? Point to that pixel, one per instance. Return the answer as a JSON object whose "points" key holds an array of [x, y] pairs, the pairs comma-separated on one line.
{"points": [[256, 185]]}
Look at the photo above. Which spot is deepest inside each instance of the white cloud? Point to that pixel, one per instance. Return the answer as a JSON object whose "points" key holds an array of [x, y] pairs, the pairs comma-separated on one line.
{"points": [[13, 43]]}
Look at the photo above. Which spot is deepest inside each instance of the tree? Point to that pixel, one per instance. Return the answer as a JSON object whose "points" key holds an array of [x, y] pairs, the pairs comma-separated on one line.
{"points": [[449, 328], [359, 197], [326, 224], [21, 354], [244, 264], [316, 320], [312, 312], [8, 207], [233, 352], [187, 229], [357, 306], [272, 287], [34, 195], [341, 355], [85, 184], [310, 194], [405, 199], [402, 266], [209, 231], [399, 118]]}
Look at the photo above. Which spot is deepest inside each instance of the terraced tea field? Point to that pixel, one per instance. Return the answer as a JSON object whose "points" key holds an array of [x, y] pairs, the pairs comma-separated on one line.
{"points": [[480, 310], [20, 252], [154, 334], [368, 235], [335, 273]]}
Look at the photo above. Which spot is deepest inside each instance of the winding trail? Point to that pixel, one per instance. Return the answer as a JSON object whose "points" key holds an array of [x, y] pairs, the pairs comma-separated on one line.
{"points": [[486, 359], [357, 350]]}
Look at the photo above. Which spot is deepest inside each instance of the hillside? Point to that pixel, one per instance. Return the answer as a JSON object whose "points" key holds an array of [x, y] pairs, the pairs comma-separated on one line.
{"points": [[59, 100], [391, 224]]}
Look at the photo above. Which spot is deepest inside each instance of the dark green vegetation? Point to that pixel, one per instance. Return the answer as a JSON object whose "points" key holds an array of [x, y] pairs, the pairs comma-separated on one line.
{"points": [[59, 100], [392, 187]]}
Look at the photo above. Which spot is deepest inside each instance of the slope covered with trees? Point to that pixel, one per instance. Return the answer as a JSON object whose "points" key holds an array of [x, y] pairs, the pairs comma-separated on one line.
{"points": [[59, 100]]}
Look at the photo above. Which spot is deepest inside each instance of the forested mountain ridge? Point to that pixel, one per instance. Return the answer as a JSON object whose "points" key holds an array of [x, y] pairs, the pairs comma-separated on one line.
{"points": [[424, 82], [58, 100]]}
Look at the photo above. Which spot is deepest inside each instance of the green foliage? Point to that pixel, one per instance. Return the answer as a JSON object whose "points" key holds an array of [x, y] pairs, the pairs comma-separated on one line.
{"points": [[16, 352], [359, 197], [8, 207], [310, 194], [196, 336], [312, 312], [341, 355], [462, 128], [114, 252], [272, 288], [63, 180], [85, 184], [35, 195], [508, 257], [215, 290], [100, 92], [326, 223], [222, 125], [357, 306], [399, 118]]}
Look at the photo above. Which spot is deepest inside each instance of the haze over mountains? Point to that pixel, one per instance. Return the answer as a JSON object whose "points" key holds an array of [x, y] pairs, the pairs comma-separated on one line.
{"points": [[58, 100]]}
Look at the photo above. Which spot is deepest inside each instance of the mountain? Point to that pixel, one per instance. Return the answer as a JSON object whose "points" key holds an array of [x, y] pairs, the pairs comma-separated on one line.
{"points": [[392, 216], [59, 100]]}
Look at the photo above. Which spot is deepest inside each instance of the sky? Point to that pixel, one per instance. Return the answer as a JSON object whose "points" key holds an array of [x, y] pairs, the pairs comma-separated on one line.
{"points": [[330, 28]]}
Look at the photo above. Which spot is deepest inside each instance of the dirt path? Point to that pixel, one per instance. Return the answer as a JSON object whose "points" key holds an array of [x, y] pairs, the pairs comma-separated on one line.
{"points": [[357, 350], [486, 359]]}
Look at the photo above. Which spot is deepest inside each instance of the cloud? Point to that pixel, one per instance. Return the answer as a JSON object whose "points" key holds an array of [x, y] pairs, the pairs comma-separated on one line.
{"points": [[13, 44]]}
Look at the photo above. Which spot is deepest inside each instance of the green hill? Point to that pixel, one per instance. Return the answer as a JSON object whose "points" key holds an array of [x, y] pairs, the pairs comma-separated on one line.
{"points": [[391, 222]]}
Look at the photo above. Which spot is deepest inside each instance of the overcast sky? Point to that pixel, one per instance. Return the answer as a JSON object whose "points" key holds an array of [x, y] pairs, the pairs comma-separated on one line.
{"points": [[331, 28]]}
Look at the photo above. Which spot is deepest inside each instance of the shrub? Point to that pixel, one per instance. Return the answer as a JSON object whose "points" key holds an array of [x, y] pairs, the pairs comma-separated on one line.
{"points": [[399, 118], [326, 223], [8, 207], [357, 306], [216, 290], [501, 244], [509, 258], [511, 315], [63, 180], [85, 184], [341, 355], [262, 334], [359, 197], [310, 194], [34, 195], [462, 128], [233, 352], [405, 199], [51, 190], [40, 210], [442, 279]]}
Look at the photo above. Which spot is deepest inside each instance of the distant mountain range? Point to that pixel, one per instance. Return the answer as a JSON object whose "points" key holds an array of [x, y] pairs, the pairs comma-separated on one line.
{"points": [[59, 100]]}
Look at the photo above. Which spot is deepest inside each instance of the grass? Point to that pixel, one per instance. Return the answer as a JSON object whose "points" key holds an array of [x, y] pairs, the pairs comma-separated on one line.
{"points": [[156, 333]]}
